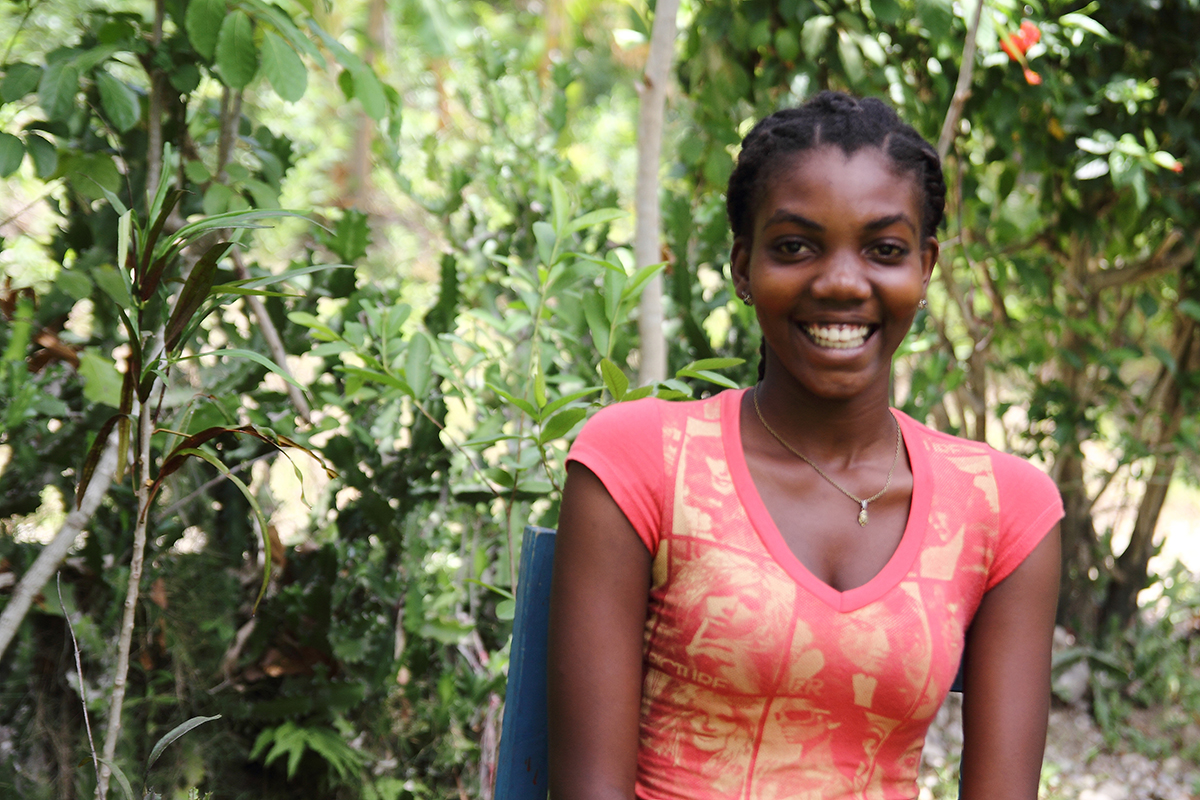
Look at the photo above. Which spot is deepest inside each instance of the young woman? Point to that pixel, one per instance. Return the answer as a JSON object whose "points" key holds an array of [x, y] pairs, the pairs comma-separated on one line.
{"points": [[767, 593]]}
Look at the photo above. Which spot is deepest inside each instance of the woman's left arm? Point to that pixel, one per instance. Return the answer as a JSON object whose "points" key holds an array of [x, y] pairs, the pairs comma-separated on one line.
{"points": [[1006, 683]]}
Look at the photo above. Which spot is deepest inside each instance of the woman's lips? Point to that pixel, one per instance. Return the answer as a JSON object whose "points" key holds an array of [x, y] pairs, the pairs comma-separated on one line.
{"points": [[837, 337]]}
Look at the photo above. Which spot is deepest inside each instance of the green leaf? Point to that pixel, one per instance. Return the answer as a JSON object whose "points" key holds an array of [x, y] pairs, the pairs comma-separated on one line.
{"points": [[195, 291], [237, 56], [283, 68], [851, 58], [546, 240], [119, 777], [175, 733], [506, 610], [101, 380], [19, 80], [560, 206], [715, 363], [598, 217], [203, 25], [1076, 20], [285, 27], [120, 103], [1096, 168], [418, 363], [568, 399], [614, 379], [320, 329], [258, 358], [813, 35], [706, 375], [1191, 308], [113, 283], [369, 92], [57, 89], [561, 424], [524, 405], [787, 46], [378, 377], [12, 152], [43, 154]]}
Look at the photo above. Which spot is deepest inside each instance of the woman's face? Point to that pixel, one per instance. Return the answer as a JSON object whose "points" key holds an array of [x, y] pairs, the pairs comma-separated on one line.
{"points": [[835, 264]]}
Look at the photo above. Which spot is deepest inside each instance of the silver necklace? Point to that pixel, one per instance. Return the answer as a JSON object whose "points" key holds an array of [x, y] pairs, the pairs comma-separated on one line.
{"points": [[862, 512]]}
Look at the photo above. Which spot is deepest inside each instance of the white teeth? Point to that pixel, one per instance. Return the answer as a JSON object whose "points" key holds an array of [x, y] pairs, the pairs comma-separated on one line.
{"points": [[838, 337]]}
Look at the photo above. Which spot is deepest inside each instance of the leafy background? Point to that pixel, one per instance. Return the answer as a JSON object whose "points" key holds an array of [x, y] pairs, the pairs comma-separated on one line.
{"points": [[329, 424]]}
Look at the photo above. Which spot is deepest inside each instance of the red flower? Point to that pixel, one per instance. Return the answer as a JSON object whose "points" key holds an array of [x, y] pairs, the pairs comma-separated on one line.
{"points": [[1009, 45], [1032, 35], [1018, 44], [1031, 77]]}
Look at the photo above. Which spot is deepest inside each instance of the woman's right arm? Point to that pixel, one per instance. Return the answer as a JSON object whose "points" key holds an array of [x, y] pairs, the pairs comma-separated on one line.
{"points": [[598, 600]]}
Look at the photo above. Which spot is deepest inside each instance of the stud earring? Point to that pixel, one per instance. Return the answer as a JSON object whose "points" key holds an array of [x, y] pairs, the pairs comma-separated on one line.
{"points": [[746, 298], [922, 303]]}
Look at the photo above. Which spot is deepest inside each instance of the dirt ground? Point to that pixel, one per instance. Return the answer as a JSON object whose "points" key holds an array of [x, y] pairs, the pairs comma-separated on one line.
{"points": [[1078, 764]]}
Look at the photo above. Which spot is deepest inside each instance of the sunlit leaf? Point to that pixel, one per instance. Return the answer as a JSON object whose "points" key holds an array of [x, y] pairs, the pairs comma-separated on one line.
{"points": [[418, 365], [237, 55], [1096, 168], [283, 68], [203, 25], [614, 379], [561, 424], [598, 217]]}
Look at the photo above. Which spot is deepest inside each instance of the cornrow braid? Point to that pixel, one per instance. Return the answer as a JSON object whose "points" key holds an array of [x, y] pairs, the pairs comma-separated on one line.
{"points": [[832, 119]]}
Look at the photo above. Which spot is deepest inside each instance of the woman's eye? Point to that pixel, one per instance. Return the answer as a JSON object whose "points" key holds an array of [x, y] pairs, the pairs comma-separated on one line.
{"points": [[792, 247], [890, 251]]}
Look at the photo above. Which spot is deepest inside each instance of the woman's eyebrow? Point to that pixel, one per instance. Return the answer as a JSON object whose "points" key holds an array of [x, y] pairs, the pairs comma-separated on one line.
{"points": [[787, 216], [883, 222]]}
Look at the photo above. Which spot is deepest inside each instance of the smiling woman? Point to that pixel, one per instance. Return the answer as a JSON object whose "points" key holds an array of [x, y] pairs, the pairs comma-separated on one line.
{"points": [[767, 593]]}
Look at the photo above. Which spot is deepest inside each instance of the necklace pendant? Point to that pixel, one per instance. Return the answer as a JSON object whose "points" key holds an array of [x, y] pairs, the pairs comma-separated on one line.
{"points": [[862, 515]]}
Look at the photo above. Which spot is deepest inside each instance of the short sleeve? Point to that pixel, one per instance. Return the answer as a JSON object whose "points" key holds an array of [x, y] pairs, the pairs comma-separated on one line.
{"points": [[1030, 505], [622, 445]]}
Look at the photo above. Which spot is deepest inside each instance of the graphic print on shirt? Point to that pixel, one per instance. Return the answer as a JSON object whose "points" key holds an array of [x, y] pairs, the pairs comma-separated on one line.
{"points": [[740, 693]]}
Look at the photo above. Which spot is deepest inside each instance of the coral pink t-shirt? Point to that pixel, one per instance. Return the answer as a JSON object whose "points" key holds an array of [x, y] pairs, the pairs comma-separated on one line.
{"points": [[761, 681]]}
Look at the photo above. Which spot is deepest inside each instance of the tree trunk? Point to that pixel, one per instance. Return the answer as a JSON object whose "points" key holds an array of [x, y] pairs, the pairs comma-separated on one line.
{"points": [[1076, 608], [1132, 571], [647, 247]]}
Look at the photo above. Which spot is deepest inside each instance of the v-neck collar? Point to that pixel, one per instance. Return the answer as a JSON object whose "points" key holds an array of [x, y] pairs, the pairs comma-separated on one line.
{"points": [[902, 559]]}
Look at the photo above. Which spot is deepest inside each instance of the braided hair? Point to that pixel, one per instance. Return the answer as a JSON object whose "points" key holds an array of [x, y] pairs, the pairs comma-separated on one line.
{"points": [[832, 119]]}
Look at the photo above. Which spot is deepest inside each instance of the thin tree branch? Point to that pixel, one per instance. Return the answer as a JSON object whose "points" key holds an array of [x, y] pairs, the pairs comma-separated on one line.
{"points": [[1158, 264], [52, 555], [962, 90], [133, 589]]}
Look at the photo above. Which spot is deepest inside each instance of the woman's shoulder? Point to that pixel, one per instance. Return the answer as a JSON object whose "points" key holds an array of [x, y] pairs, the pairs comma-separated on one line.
{"points": [[653, 412], [1014, 475]]}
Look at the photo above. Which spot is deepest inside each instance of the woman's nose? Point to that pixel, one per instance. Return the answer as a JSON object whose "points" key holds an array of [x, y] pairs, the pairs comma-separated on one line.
{"points": [[842, 277]]}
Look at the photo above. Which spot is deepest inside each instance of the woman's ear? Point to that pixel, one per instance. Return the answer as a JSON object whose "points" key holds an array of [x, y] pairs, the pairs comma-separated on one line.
{"points": [[929, 256], [739, 266]]}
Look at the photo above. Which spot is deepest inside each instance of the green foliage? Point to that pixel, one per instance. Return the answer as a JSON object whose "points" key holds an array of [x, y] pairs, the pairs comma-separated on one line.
{"points": [[488, 314]]}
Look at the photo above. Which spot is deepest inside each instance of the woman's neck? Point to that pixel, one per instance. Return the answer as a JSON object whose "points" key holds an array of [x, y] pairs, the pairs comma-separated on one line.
{"points": [[835, 431]]}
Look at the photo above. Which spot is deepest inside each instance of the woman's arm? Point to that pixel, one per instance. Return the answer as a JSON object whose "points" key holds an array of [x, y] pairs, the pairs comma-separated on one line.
{"points": [[1006, 684], [598, 602]]}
